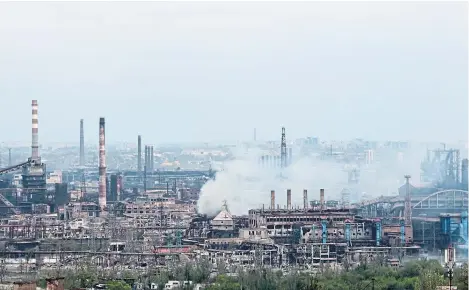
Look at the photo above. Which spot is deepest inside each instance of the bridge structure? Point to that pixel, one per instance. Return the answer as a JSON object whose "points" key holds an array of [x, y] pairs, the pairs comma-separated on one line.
{"points": [[443, 201], [432, 205]]}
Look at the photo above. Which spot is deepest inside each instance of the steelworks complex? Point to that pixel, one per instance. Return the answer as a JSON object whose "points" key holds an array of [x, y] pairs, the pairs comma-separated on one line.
{"points": [[147, 216]]}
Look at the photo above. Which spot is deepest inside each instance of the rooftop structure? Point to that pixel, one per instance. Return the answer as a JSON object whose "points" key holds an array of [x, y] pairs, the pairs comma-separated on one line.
{"points": [[224, 220]]}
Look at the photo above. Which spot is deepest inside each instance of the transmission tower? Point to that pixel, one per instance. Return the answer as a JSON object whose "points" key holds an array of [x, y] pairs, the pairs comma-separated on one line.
{"points": [[283, 150]]}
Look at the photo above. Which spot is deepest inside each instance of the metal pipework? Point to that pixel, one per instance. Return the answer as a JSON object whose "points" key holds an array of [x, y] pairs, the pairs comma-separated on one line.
{"points": [[102, 165]]}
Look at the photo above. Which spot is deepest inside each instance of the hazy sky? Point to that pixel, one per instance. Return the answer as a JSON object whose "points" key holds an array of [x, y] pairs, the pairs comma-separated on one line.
{"points": [[214, 71]]}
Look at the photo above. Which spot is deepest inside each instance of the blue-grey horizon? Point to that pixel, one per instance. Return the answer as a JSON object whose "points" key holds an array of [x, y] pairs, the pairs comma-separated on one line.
{"points": [[212, 71]]}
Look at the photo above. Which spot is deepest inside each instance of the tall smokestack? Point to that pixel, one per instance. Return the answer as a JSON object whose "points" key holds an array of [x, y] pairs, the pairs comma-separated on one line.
{"points": [[288, 199], [149, 159], [102, 165], [305, 199], [139, 154], [272, 199], [407, 203], [35, 137], [152, 160], [145, 164], [82, 144], [145, 178], [9, 156], [321, 198]]}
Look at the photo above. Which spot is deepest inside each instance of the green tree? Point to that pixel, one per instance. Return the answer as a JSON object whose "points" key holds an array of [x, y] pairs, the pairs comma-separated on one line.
{"points": [[223, 282], [460, 277], [118, 285], [429, 280]]}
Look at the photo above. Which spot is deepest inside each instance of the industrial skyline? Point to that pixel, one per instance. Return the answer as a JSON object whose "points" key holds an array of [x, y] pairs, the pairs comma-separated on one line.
{"points": [[306, 129]]}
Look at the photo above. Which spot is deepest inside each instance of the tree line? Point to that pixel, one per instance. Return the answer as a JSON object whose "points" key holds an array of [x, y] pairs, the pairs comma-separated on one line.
{"points": [[414, 275]]}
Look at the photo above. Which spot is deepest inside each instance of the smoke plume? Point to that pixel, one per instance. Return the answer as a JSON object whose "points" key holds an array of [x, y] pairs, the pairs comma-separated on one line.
{"points": [[245, 184]]}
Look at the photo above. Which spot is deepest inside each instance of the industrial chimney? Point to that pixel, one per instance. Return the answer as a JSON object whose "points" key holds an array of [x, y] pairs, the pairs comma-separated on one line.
{"points": [[145, 179], [305, 199], [146, 157], [407, 203], [82, 144], [321, 198], [139, 154], [288, 199], [272, 199], [152, 160], [102, 165], [35, 137]]}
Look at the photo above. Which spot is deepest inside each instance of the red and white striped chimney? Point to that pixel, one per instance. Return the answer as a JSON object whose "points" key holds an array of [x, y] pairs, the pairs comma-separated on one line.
{"points": [[102, 165], [35, 137]]}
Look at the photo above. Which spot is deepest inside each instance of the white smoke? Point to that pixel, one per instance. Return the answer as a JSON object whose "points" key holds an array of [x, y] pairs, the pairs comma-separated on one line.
{"points": [[244, 184]]}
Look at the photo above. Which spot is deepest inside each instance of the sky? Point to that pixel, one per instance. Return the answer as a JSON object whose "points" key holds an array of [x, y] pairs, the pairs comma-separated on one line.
{"points": [[214, 71]]}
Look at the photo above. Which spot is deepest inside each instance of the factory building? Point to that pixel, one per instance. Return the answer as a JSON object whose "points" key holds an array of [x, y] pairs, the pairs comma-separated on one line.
{"points": [[223, 221], [62, 195], [315, 224]]}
